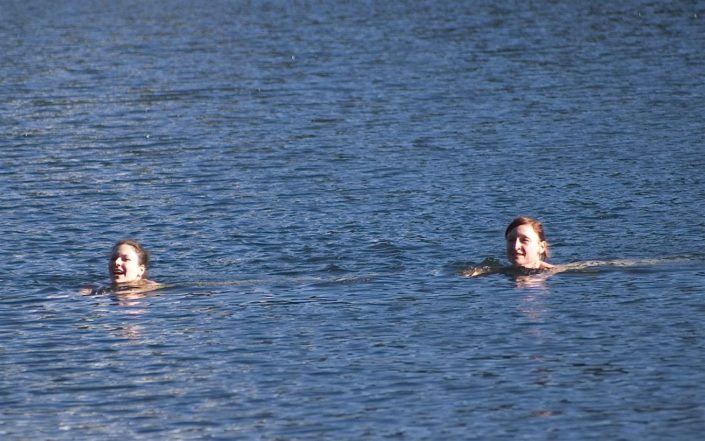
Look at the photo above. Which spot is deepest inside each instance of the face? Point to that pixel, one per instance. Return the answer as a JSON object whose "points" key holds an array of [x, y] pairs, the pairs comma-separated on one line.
{"points": [[125, 265], [524, 247]]}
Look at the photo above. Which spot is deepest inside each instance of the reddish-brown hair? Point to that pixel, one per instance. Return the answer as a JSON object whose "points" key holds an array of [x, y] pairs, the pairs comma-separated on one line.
{"points": [[535, 224]]}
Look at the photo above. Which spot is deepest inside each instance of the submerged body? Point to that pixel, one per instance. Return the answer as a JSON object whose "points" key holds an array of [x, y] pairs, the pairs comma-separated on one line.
{"points": [[492, 266]]}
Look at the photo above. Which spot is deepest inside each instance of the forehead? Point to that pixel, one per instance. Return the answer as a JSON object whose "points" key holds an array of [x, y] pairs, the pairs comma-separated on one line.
{"points": [[124, 249], [525, 230]]}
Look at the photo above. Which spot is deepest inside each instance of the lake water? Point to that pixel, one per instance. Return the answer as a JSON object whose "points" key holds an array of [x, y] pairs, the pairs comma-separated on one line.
{"points": [[310, 177]]}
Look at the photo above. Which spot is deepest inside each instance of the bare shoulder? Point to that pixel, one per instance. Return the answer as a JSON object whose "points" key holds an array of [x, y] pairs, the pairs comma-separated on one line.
{"points": [[144, 286], [150, 285]]}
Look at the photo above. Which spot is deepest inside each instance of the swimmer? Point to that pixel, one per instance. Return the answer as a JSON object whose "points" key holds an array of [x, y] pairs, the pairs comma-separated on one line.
{"points": [[527, 250], [526, 244], [127, 267]]}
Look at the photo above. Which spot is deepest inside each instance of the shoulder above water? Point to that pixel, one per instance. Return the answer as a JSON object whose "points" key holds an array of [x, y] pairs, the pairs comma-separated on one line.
{"points": [[492, 266], [139, 287]]}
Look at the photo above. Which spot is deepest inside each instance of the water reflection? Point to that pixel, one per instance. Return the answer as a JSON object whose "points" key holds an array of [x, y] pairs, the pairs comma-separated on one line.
{"points": [[134, 305], [131, 332], [131, 305], [132, 301], [532, 281], [532, 306]]}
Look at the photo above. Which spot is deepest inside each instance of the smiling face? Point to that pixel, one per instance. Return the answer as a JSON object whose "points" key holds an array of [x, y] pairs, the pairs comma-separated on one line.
{"points": [[524, 247], [125, 265]]}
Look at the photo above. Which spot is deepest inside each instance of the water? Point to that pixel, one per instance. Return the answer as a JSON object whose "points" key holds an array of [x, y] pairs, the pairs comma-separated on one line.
{"points": [[310, 176]]}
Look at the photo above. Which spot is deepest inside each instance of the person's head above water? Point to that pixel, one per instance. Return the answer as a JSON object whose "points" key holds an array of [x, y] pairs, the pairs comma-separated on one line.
{"points": [[128, 262], [526, 243]]}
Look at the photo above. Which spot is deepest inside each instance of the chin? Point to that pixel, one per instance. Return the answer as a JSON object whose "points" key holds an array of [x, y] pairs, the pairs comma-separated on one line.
{"points": [[121, 281]]}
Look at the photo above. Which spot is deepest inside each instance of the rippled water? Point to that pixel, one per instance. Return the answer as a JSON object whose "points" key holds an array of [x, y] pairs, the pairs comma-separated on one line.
{"points": [[309, 177]]}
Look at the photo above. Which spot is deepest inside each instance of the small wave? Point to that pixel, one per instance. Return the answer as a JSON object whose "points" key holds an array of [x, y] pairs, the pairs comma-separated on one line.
{"points": [[668, 263]]}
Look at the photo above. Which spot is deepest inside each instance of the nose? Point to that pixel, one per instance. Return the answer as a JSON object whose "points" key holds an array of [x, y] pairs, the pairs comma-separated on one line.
{"points": [[517, 244]]}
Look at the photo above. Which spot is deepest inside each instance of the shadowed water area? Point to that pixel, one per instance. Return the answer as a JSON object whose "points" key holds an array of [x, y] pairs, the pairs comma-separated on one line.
{"points": [[310, 177]]}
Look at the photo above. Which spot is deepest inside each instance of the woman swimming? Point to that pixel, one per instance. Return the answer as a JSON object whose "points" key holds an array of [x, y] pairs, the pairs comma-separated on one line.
{"points": [[526, 244], [127, 267], [128, 264], [527, 250]]}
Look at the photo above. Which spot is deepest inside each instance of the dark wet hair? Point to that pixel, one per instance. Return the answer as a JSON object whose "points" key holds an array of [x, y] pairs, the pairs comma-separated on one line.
{"points": [[535, 224], [142, 254]]}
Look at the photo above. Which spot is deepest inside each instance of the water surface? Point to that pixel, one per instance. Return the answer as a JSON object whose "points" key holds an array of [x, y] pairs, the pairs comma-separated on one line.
{"points": [[310, 176]]}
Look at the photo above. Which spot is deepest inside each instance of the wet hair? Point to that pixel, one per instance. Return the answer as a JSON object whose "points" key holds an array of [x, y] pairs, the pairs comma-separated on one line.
{"points": [[142, 254], [535, 224]]}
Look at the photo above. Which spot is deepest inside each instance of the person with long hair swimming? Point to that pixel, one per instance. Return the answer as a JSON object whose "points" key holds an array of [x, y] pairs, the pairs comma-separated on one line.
{"points": [[527, 250], [526, 244], [128, 264], [127, 267]]}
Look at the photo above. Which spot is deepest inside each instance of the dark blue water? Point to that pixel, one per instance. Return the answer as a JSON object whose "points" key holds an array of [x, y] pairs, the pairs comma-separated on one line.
{"points": [[310, 176]]}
